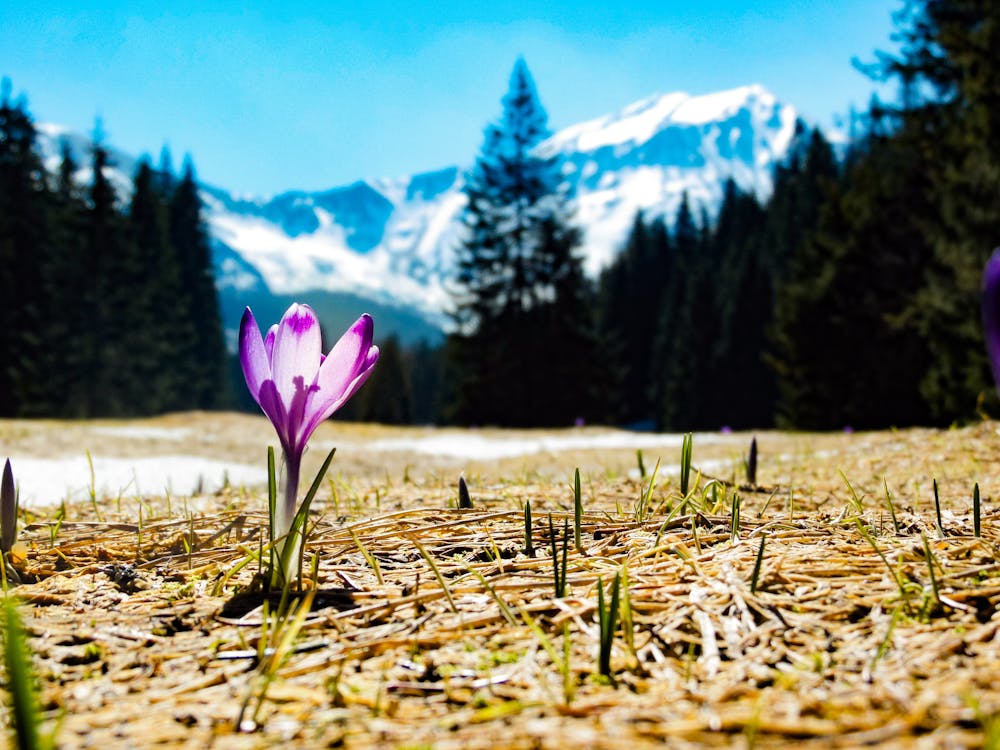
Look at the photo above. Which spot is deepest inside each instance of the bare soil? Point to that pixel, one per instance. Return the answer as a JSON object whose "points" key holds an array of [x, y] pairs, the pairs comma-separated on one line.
{"points": [[431, 626]]}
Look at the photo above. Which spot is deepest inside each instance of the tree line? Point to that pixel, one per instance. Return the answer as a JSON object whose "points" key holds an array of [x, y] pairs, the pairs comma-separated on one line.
{"points": [[107, 303], [848, 298]]}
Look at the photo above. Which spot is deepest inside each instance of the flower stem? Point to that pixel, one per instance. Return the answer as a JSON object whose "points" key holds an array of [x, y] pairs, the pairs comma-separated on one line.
{"points": [[291, 482], [284, 515]]}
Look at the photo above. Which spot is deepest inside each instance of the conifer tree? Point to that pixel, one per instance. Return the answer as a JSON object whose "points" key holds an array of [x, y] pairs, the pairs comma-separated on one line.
{"points": [[425, 365], [515, 250], [104, 235], [148, 296], [67, 362], [951, 123], [739, 383], [24, 249], [205, 351], [631, 297], [676, 360], [841, 356]]}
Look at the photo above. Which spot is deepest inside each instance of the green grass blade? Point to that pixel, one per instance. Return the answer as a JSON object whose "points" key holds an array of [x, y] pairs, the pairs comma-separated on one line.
{"points": [[20, 680], [686, 450], [577, 511], [757, 564]]}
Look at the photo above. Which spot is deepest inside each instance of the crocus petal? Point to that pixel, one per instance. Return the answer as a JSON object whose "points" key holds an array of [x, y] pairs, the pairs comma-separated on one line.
{"points": [[270, 401], [322, 406], [254, 360], [991, 312], [295, 359], [344, 361], [269, 342], [363, 374]]}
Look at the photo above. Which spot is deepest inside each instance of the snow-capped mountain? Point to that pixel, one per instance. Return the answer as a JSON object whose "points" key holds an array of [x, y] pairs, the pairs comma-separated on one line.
{"points": [[389, 243]]}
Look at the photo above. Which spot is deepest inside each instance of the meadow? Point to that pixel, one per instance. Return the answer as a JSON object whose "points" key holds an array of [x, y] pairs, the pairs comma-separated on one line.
{"points": [[845, 596]]}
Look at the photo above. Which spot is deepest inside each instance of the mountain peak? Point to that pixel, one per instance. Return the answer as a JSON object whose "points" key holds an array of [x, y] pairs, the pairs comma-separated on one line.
{"points": [[641, 121]]}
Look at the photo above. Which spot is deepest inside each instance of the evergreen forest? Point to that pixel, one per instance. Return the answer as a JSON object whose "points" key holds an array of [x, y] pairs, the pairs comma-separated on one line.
{"points": [[108, 305], [848, 298]]}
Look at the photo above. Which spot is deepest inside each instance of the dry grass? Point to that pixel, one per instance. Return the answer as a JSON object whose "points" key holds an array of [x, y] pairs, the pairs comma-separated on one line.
{"points": [[144, 635]]}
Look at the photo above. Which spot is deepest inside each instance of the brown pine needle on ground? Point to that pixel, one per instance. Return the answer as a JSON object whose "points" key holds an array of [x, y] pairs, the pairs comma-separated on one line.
{"points": [[431, 627]]}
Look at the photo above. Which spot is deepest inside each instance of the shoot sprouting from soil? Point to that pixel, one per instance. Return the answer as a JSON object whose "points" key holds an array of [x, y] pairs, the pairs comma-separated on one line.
{"points": [[755, 578], [559, 569], [607, 618], [92, 488], [577, 511], [892, 506], [937, 510], [976, 522], [686, 447], [643, 505], [464, 500], [856, 501], [8, 509], [752, 464], [929, 555], [529, 545]]}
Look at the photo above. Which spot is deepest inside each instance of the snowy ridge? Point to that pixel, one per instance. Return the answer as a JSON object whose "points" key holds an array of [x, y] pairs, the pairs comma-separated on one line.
{"points": [[392, 240]]}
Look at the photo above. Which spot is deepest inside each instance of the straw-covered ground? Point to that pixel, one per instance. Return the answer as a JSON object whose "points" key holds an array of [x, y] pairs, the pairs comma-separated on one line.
{"points": [[431, 626]]}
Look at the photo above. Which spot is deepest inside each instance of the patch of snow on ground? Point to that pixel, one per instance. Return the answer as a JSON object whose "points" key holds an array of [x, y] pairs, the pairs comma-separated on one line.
{"points": [[483, 448], [46, 482], [145, 433]]}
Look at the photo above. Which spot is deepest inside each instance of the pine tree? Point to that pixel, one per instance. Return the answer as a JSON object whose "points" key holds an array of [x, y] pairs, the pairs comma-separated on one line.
{"points": [[148, 296], [948, 63], [683, 321], [24, 248], [571, 381], [842, 355], [739, 383], [104, 234], [425, 365], [515, 250], [65, 334], [204, 355], [631, 297]]}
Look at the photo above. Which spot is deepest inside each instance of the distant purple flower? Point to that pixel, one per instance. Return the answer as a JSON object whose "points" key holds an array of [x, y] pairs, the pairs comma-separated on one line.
{"points": [[991, 312], [726, 429], [579, 422], [297, 387]]}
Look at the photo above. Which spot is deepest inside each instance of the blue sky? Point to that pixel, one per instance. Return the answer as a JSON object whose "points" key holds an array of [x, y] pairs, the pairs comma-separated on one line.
{"points": [[278, 95]]}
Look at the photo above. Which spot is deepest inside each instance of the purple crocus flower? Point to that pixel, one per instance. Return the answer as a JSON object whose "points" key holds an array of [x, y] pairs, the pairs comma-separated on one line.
{"points": [[297, 387], [991, 312]]}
